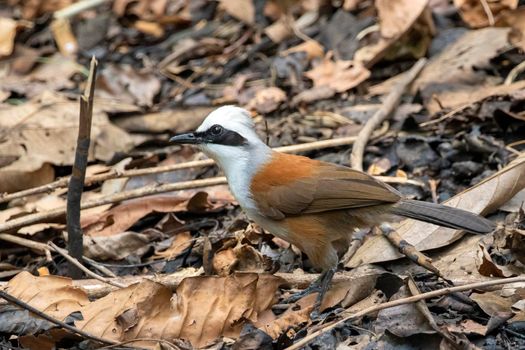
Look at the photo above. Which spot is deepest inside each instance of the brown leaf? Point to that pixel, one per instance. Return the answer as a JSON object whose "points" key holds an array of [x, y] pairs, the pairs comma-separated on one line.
{"points": [[312, 48], [64, 37], [7, 36], [123, 216], [395, 19], [338, 75], [180, 243], [127, 84], [483, 198], [117, 246], [53, 295], [478, 15], [243, 10], [267, 100], [516, 20], [460, 67]]}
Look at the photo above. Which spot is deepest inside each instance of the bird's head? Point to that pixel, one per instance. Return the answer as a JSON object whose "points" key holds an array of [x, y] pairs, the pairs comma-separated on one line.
{"points": [[227, 134]]}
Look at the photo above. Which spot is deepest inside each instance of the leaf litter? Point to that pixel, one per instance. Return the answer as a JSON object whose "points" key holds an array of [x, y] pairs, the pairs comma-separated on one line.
{"points": [[198, 273]]}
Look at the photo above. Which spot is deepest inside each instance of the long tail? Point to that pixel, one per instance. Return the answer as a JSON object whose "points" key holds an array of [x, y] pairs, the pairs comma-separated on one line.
{"points": [[442, 215]]}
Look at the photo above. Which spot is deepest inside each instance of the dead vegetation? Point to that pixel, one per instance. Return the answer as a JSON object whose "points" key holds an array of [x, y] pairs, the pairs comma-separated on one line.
{"points": [[431, 93]]}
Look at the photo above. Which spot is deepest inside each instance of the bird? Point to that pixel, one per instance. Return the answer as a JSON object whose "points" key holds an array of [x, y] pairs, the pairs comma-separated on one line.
{"points": [[311, 204]]}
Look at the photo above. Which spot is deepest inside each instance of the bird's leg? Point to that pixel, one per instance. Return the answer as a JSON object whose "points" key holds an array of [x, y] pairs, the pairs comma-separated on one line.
{"points": [[326, 278], [314, 287]]}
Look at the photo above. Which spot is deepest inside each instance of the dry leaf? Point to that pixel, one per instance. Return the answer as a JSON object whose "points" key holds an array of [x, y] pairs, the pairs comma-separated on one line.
{"points": [[338, 75], [395, 19], [312, 48], [127, 84], [180, 243], [460, 66], [173, 121], [7, 36], [243, 10], [478, 15], [267, 100], [144, 9], [516, 20], [53, 295], [117, 246], [42, 133], [123, 216], [483, 198]]}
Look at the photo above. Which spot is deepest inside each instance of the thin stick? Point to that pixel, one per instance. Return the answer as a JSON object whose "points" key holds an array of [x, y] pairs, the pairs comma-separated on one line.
{"points": [[303, 147], [13, 300], [408, 300], [87, 271], [388, 106], [77, 7], [76, 183], [514, 73], [24, 242]]}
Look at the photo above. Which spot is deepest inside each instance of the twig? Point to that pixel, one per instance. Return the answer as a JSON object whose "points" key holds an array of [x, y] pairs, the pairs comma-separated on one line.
{"points": [[514, 73], [25, 243], [388, 106], [87, 271], [13, 300], [77, 7], [408, 300], [488, 12], [303, 147], [455, 341], [408, 249], [76, 183]]}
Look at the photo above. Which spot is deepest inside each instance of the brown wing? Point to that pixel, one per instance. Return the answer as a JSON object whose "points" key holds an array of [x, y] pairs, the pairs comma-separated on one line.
{"points": [[326, 187]]}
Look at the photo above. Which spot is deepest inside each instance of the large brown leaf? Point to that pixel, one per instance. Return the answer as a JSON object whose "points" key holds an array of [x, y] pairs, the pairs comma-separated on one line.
{"points": [[201, 310], [483, 198]]}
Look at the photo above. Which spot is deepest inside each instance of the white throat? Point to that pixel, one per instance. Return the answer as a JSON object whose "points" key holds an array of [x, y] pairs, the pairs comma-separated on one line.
{"points": [[240, 164]]}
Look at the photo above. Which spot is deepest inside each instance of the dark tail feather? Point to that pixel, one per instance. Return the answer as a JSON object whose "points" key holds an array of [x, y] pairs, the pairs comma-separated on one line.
{"points": [[442, 215]]}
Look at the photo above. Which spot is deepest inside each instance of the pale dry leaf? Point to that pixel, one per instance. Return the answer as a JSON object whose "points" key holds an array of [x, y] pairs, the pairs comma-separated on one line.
{"points": [[267, 100], [54, 295], [43, 133], [460, 66], [127, 84], [395, 19], [478, 15], [312, 48], [338, 75], [7, 36], [64, 37], [173, 121], [243, 10], [516, 20], [117, 246], [483, 198], [180, 243]]}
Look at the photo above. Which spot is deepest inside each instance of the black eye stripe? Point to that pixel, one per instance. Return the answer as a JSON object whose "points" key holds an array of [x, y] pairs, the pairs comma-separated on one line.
{"points": [[224, 137]]}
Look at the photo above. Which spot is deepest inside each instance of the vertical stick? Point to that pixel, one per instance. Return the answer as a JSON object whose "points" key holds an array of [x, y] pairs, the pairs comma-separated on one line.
{"points": [[76, 183]]}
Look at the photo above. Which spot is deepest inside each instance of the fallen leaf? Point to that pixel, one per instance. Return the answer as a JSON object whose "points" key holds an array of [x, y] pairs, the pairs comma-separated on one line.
{"points": [[117, 246], [64, 37], [173, 121], [40, 133], [395, 19], [312, 49], [180, 243], [478, 15], [123, 216], [7, 36], [460, 66], [267, 100], [338, 75], [34, 8], [516, 20], [127, 84], [54, 295], [243, 10], [483, 198]]}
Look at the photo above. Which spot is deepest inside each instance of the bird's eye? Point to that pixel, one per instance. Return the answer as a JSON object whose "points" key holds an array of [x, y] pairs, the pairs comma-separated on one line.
{"points": [[216, 129]]}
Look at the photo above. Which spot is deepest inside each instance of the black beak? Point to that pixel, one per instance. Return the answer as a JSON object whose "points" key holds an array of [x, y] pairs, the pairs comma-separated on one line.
{"points": [[189, 138]]}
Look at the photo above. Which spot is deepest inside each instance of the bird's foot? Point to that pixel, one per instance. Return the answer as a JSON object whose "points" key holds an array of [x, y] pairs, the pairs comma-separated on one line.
{"points": [[315, 287]]}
